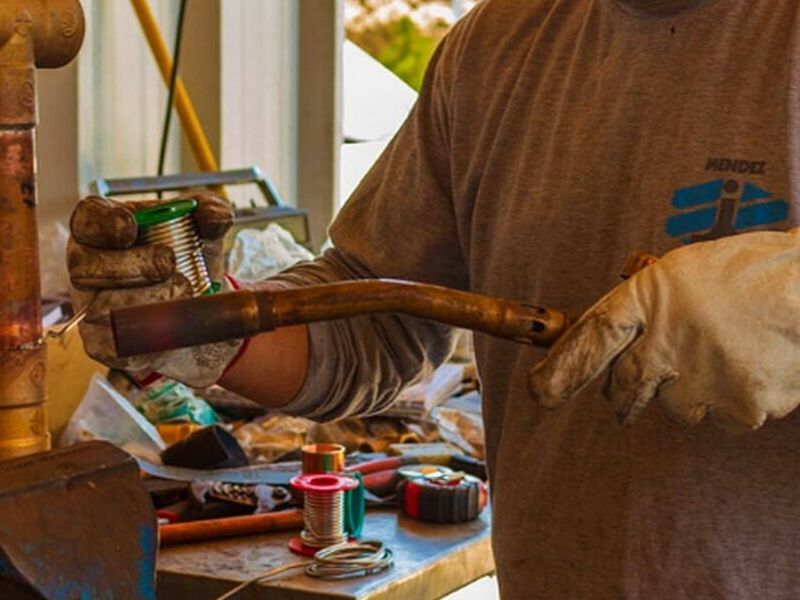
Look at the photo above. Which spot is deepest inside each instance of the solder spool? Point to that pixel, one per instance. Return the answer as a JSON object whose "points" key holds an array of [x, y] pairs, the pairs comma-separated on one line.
{"points": [[169, 224], [323, 511], [173, 224]]}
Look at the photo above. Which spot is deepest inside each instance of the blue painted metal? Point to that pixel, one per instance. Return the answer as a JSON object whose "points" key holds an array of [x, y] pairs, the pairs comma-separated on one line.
{"points": [[76, 523]]}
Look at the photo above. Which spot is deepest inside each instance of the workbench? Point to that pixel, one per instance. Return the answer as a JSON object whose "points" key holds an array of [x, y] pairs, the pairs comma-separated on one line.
{"points": [[431, 560]]}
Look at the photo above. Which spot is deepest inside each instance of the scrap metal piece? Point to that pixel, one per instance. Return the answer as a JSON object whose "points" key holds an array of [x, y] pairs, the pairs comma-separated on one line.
{"points": [[76, 523]]}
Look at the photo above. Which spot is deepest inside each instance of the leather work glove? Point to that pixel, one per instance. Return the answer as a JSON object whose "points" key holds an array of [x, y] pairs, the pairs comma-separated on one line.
{"points": [[710, 328], [107, 270]]}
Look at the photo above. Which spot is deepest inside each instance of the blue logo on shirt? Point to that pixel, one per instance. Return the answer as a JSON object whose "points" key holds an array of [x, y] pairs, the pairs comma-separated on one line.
{"points": [[722, 207]]}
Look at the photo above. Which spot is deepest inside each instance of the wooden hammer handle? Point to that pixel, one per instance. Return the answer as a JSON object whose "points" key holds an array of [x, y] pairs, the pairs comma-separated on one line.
{"points": [[210, 529]]}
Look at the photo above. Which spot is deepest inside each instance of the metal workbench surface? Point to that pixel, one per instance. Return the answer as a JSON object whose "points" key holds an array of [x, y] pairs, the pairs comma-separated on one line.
{"points": [[430, 561]]}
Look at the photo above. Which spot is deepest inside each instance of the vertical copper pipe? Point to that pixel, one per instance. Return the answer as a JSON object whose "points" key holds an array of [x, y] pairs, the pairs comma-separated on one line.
{"points": [[23, 427], [43, 33]]}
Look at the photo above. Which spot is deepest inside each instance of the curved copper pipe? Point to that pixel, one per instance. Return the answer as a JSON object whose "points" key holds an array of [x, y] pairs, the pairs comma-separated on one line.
{"points": [[194, 321]]}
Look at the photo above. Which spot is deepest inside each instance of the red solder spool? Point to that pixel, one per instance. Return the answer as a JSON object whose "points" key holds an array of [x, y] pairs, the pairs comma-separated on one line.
{"points": [[323, 511]]}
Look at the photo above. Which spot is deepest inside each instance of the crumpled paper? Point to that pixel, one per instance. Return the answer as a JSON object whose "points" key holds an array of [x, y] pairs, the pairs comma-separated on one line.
{"points": [[266, 440], [461, 428], [258, 254]]}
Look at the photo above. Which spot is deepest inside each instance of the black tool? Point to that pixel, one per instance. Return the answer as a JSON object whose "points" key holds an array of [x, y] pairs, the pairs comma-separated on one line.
{"points": [[208, 448]]}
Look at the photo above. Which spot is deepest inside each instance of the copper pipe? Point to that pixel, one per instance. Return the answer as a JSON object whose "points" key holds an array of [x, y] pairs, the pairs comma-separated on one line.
{"points": [[194, 321], [33, 33]]}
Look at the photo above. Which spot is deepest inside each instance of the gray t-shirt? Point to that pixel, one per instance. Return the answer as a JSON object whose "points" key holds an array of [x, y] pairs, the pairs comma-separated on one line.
{"points": [[552, 138]]}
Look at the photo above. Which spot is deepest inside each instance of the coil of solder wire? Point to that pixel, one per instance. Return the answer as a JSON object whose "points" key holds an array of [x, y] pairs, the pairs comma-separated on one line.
{"points": [[181, 235], [158, 226], [337, 562], [323, 508], [350, 560], [324, 519]]}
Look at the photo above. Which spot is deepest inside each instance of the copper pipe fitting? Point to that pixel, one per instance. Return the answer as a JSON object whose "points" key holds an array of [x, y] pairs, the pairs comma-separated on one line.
{"points": [[194, 321], [45, 34]]}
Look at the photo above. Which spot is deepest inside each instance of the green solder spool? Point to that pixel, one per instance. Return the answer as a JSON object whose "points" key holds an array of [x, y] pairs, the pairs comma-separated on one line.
{"points": [[173, 224]]}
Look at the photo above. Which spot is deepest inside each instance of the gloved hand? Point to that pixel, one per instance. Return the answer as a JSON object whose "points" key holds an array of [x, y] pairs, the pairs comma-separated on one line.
{"points": [[107, 270], [711, 328]]}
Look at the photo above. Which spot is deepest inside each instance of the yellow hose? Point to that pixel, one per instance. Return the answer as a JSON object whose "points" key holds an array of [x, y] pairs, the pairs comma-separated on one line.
{"points": [[191, 124]]}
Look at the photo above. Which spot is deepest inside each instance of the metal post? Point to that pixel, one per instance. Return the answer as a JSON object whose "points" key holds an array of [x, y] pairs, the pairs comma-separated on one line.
{"points": [[33, 33]]}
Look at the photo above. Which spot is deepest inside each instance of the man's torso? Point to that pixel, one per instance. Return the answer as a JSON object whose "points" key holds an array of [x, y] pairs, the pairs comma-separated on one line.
{"points": [[599, 133]]}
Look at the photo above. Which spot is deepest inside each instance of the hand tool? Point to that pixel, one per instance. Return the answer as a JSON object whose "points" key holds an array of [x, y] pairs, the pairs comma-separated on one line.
{"points": [[195, 531], [381, 477], [211, 447], [262, 498], [272, 474]]}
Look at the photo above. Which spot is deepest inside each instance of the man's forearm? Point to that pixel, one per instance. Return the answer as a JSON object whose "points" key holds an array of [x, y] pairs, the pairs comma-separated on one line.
{"points": [[273, 367]]}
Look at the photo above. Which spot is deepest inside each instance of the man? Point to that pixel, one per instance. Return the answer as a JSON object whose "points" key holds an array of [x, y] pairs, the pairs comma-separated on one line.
{"points": [[552, 138]]}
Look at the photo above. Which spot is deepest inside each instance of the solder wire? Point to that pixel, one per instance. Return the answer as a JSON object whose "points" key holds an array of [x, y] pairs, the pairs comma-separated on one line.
{"points": [[324, 519], [181, 235], [336, 562]]}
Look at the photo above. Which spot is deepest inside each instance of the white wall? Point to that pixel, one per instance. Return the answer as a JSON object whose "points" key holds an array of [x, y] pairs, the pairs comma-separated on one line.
{"points": [[258, 90], [122, 97]]}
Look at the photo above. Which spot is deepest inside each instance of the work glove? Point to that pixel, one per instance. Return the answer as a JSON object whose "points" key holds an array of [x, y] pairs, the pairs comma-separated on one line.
{"points": [[108, 270], [711, 328]]}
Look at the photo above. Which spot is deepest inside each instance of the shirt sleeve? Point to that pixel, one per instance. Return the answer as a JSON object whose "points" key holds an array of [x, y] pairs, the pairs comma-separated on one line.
{"points": [[399, 223]]}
